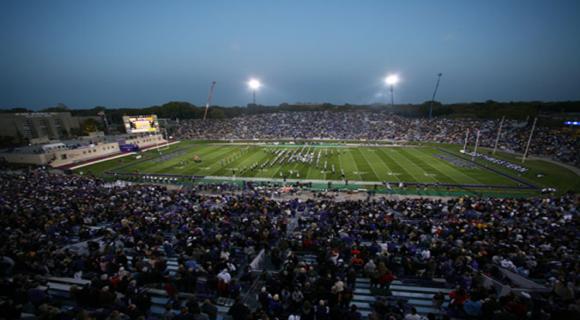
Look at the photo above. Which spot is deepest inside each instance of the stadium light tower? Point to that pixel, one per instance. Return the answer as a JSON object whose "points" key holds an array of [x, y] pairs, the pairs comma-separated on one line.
{"points": [[391, 80], [254, 84]]}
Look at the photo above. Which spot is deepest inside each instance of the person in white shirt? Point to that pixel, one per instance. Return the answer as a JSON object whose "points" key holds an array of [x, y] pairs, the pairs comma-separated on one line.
{"points": [[224, 276], [413, 315]]}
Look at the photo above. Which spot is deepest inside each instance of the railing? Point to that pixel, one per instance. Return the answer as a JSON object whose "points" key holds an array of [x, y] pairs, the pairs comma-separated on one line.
{"points": [[258, 263], [524, 285], [521, 281], [500, 288]]}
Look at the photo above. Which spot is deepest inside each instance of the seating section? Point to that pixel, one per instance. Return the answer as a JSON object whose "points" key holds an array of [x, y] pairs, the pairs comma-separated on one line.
{"points": [[420, 247]]}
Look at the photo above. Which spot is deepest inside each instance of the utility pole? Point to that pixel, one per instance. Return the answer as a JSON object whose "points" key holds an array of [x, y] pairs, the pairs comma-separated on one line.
{"points": [[529, 140], [498, 134], [433, 98], [210, 95]]}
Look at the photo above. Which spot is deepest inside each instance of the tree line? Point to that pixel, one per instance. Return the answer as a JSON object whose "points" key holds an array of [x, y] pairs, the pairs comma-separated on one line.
{"points": [[480, 110]]}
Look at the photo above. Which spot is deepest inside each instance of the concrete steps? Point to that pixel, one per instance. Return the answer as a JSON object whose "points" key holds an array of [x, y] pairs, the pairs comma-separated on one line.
{"points": [[419, 297], [362, 297], [59, 287]]}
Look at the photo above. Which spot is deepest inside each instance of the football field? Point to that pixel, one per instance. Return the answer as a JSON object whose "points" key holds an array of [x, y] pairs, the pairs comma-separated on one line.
{"points": [[364, 164]]}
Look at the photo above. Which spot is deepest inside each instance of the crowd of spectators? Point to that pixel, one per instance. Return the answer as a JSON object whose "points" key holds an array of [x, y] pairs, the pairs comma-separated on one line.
{"points": [[138, 228], [135, 229], [558, 143]]}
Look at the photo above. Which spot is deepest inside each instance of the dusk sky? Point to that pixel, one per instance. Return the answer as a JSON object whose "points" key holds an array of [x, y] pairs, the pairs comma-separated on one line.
{"points": [[143, 53]]}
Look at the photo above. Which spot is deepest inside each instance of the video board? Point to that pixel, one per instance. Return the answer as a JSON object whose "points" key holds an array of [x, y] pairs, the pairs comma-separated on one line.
{"points": [[141, 124]]}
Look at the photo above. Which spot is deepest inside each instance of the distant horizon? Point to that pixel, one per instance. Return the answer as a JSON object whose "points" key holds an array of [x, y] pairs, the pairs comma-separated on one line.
{"points": [[296, 104]]}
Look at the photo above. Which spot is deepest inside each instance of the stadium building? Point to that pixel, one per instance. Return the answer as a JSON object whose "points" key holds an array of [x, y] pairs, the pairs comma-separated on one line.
{"points": [[69, 152], [38, 126]]}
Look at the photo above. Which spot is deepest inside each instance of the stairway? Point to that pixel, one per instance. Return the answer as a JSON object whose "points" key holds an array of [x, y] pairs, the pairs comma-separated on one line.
{"points": [[362, 297], [58, 289], [159, 301], [418, 294]]}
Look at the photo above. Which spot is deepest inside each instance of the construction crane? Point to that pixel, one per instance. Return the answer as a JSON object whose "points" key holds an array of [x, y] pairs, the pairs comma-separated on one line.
{"points": [[209, 99], [433, 98]]}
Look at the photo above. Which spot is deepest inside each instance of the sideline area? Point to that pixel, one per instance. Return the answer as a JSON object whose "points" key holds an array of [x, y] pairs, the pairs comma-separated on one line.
{"points": [[117, 156]]}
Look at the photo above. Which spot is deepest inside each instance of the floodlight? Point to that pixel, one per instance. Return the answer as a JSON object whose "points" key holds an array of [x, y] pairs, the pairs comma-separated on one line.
{"points": [[254, 84], [392, 79]]}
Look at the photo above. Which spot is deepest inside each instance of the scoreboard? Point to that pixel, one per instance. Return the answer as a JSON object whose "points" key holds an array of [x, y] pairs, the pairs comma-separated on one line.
{"points": [[141, 124]]}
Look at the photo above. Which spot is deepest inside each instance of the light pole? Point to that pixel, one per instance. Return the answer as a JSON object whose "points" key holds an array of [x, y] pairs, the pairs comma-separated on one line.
{"points": [[254, 84], [391, 80]]}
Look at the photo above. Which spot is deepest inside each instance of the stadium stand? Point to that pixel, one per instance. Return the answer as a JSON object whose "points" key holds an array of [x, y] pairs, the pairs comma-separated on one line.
{"points": [[142, 251], [558, 143]]}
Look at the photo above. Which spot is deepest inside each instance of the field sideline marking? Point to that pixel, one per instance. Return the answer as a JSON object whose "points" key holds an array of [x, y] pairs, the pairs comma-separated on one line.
{"points": [[494, 170], [417, 160], [102, 160], [120, 156]]}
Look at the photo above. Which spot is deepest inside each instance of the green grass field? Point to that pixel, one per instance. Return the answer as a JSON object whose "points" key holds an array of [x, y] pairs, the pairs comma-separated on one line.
{"points": [[333, 162]]}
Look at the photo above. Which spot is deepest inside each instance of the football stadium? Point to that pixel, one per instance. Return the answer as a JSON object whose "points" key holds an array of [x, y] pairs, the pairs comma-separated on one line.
{"points": [[320, 165], [316, 160]]}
